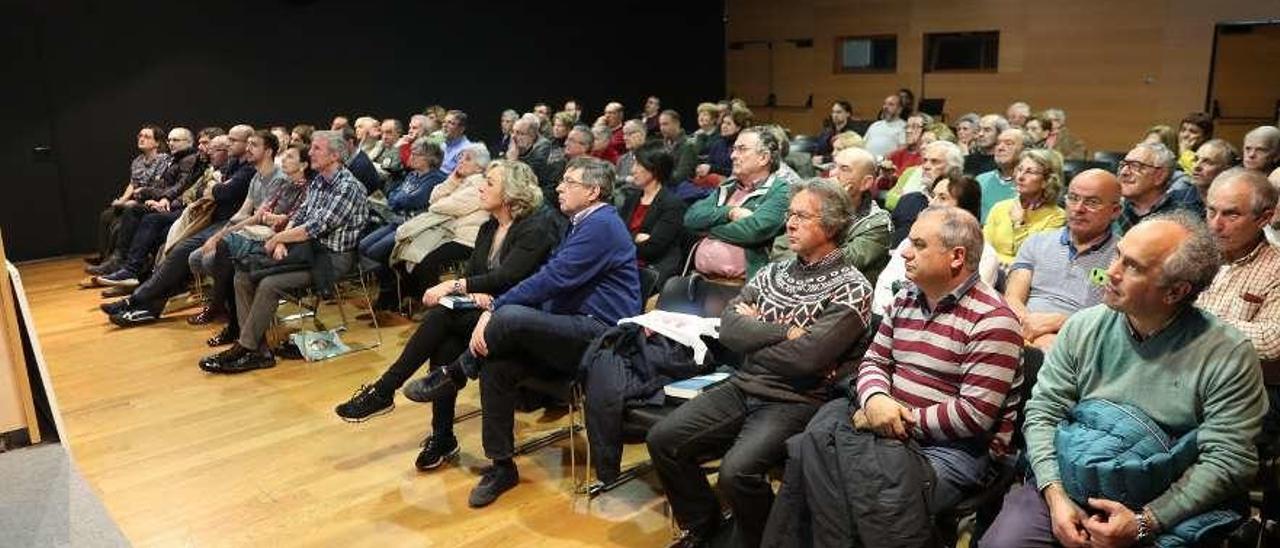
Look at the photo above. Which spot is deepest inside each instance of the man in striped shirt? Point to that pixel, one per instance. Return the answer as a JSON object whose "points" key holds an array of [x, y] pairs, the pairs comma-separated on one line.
{"points": [[944, 364]]}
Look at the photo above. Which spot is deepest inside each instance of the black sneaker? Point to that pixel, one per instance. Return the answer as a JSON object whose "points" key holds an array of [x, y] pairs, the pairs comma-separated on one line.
{"points": [[366, 403], [114, 307], [134, 318], [436, 452], [497, 479]]}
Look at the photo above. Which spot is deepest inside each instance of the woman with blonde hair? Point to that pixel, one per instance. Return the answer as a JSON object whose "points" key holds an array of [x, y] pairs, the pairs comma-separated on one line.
{"points": [[510, 246], [1038, 180]]}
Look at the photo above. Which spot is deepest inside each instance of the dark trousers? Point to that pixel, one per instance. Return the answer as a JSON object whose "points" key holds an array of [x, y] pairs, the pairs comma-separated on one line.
{"points": [[172, 274], [749, 432], [108, 225], [525, 342], [441, 337], [126, 224], [147, 239]]}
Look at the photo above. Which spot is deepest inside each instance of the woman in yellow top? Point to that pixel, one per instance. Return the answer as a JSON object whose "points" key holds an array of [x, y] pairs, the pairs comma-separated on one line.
{"points": [[1038, 180]]}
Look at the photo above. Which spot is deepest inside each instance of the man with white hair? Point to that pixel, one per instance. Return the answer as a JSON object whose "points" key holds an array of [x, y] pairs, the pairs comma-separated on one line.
{"points": [[634, 134], [417, 128], [1017, 114], [528, 145], [328, 222], [997, 184], [1144, 182], [1262, 149]]}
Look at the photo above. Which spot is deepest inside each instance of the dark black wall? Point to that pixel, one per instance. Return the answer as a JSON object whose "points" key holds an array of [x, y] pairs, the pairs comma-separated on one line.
{"points": [[88, 74]]}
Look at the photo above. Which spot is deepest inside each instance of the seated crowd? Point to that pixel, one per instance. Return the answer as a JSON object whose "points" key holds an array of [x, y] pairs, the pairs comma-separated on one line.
{"points": [[968, 290]]}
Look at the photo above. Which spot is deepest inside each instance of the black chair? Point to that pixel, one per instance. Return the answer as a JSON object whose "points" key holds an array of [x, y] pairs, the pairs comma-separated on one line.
{"points": [[804, 143], [1108, 157], [986, 503]]}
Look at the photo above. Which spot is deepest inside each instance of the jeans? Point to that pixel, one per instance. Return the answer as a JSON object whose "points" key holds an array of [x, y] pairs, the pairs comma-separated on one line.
{"points": [[147, 238], [525, 342], [749, 432]]}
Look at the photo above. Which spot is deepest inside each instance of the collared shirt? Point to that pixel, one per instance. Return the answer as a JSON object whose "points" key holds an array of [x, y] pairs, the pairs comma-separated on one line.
{"points": [[1246, 295], [1063, 279], [144, 172], [334, 211], [1168, 202], [452, 149], [579, 216], [955, 365]]}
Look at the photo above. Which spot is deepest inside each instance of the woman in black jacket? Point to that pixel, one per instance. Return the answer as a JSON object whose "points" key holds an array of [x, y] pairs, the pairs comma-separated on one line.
{"points": [[654, 214], [510, 246]]}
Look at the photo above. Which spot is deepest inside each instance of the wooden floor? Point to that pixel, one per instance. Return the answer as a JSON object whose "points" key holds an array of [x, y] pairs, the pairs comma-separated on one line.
{"points": [[183, 458]]}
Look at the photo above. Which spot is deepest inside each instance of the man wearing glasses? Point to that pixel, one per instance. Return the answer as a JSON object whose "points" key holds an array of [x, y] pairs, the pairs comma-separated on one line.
{"points": [[1059, 272], [1144, 183]]}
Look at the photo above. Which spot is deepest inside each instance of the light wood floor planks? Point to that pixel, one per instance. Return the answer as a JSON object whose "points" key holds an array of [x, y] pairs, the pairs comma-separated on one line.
{"points": [[182, 458]]}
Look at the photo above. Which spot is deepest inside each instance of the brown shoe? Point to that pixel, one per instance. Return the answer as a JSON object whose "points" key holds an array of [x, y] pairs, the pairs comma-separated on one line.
{"points": [[207, 315]]}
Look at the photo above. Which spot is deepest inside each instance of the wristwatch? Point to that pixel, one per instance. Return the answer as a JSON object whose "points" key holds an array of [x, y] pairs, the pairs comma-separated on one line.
{"points": [[1146, 532], [457, 287]]}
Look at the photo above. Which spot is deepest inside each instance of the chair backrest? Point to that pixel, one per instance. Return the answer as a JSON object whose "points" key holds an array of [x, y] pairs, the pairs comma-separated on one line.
{"points": [[1109, 157], [1071, 168], [1032, 359], [648, 279], [804, 143]]}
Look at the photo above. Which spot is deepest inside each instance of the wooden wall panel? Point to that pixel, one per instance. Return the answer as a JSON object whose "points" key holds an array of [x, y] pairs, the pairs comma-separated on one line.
{"points": [[1115, 67]]}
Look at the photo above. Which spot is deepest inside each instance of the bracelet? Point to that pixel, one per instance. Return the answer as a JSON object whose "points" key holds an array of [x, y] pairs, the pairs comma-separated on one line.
{"points": [[1146, 529]]}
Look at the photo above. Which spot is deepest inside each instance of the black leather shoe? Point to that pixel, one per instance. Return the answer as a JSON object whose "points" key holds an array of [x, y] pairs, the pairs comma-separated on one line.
{"points": [[248, 362], [229, 355], [224, 337], [695, 538], [114, 307], [436, 384], [289, 351], [207, 315]]}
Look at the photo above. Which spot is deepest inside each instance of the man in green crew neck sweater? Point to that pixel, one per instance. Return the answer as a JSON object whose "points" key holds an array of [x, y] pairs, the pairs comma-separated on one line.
{"points": [[1148, 346]]}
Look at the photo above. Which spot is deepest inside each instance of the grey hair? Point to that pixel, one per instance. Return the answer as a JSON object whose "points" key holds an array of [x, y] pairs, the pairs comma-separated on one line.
{"points": [[595, 173], [1000, 122], [784, 143], [425, 147], [1058, 113], [1268, 134], [529, 119], [600, 132], [1020, 105], [924, 117], [510, 114], [418, 118], [634, 125], [588, 136], [836, 208], [1164, 157], [959, 228], [185, 133], [479, 154], [395, 122], [971, 117], [335, 142], [1195, 261], [1264, 194], [769, 144], [951, 151], [1224, 148]]}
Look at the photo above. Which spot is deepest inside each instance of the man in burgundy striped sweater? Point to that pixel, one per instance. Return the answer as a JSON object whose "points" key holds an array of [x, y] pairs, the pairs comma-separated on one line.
{"points": [[944, 364]]}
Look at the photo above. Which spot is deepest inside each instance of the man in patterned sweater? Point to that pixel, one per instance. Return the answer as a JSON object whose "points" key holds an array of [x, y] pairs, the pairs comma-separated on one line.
{"points": [[944, 365], [791, 323]]}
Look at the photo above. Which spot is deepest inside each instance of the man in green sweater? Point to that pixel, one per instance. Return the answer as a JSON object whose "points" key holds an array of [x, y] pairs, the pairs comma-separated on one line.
{"points": [[1151, 348]]}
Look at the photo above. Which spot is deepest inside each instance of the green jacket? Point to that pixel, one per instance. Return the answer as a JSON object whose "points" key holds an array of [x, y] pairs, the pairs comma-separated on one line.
{"points": [[768, 203], [683, 152], [866, 246]]}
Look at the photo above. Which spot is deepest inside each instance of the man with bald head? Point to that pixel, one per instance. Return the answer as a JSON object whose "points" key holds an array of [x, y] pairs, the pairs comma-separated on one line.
{"points": [[997, 183], [866, 244], [1262, 149], [1150, 348], [1060, 272], [612, 120]]}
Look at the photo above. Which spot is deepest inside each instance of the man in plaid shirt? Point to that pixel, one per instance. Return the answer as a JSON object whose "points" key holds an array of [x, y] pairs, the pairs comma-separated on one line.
{"points": [[330, 218]]}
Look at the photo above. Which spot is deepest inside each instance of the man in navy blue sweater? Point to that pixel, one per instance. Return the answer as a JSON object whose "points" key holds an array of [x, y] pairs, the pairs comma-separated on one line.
{"points": [[542, 326]]}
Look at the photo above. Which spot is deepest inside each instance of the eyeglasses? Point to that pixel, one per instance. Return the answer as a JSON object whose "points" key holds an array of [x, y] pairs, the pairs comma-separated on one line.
{"points": [[743, 148], [1091, 203], [1027, 171], [1135, 165], [801, 216]]}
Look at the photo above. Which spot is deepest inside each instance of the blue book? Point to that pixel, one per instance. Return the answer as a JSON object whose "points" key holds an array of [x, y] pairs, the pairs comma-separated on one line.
{"points": [[690, 388]]}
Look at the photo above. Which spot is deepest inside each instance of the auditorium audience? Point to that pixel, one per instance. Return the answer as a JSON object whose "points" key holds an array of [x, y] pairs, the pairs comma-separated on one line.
{"points": [[1261, 150], [866, 243], [1038, 183], [327, 223], [942, 370], [791, 323], [542, 326], [445, 234], [952, 189], [532, 148], [1144, 183], [739, 220], [146, 167], [889, 132], [719, 162], [1058, 273], [1180, 368], [509, 247], [998, 184], [653, 213]]}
